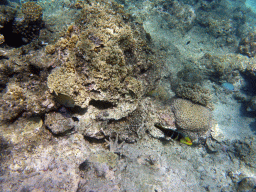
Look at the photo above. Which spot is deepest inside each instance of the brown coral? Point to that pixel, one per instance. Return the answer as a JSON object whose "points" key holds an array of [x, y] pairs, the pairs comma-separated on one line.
{"points": [[2, 40], [247, 45], [32, 11], [19, 99], [104, 61], [191, 117], [27, 24], [195, 93]]}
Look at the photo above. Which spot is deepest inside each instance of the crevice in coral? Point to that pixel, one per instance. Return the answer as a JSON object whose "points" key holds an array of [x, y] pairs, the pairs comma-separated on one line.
{"points": [[101, 104]]}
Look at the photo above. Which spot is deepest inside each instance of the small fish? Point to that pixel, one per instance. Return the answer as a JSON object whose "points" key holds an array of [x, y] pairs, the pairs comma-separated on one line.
{"points": [[175, 135]]}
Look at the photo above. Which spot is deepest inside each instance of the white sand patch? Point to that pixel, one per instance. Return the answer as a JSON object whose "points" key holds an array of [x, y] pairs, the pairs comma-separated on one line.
{"points": [[231, 122]]}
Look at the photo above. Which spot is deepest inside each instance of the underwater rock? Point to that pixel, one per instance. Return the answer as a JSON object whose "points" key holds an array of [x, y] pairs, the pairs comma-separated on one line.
{"points": [[58, 124], [22, 130], [96, 124], [98, 173], [191, 117], [252, 104], [247, 45], [47, 164], [247, 184], [21, 99], [223, 67], [178, 15], [246, 151], [217, 133], [107, 63]]}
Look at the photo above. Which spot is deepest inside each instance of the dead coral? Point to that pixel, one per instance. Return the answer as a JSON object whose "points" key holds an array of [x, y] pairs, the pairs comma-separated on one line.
{"points": [[20, 99], [247, 45], [28, 22], [114, 146], [105, 60], [195, 93], [177, 15]]}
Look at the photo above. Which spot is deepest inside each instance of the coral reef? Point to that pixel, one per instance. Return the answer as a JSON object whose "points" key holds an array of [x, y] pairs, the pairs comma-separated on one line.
{"points": [[1, 39], [191, 117], [223, 67], [20, 24], [106, 61], [194, 93], [23, 84], [177, 15], [28, 22], [217, 26], [58, 123], [62, 105], [20, 100], [7, 14], [221, 21], [32, 11], [247, 45]]}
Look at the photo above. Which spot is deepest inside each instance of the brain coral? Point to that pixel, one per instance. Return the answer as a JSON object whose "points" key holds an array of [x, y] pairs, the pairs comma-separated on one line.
{"points": [[191, 117], [103, 58]]}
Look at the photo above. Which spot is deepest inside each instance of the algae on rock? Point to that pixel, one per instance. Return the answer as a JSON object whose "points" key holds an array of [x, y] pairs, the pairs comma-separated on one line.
{"points": [[105, 58]]}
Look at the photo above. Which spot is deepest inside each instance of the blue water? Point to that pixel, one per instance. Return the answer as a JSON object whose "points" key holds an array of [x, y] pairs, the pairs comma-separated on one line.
{"points": [[251, 4]]}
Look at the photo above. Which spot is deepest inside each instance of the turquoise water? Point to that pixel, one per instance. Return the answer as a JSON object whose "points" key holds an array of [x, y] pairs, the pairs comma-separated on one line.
{"points": [[251, 4]]}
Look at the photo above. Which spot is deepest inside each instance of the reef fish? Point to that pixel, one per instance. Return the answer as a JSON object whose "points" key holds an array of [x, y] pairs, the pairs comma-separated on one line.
{"points": [[175, 135]]}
